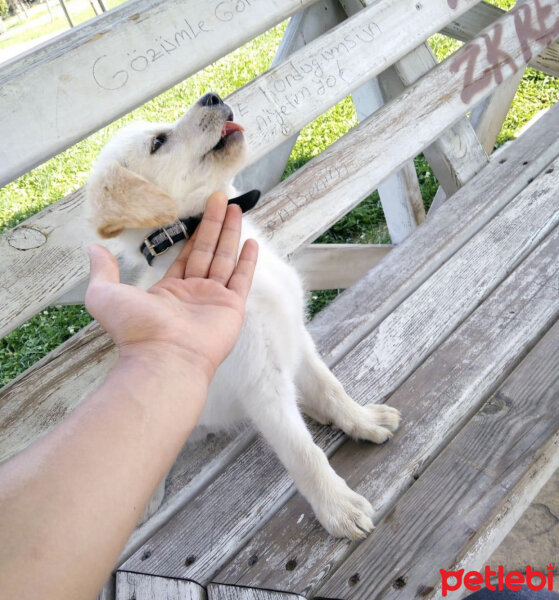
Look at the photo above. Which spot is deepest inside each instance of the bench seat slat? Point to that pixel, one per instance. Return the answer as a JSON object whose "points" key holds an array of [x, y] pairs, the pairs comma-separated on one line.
{"points": [[23, 277], [411, 263], [228, 592], [404, 338], [142, 587], [253, 488], [435, 401], [504, 454]]}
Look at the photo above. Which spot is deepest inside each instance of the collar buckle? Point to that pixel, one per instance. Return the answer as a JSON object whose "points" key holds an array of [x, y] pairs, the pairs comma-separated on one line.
{"points": [[153, 250]]}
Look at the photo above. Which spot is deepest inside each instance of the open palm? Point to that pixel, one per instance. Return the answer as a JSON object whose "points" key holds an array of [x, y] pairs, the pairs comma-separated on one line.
{"points": [[196, 311]]}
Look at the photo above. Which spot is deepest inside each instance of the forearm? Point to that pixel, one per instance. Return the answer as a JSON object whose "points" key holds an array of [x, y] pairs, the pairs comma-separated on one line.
{"points": [[90, 479]]}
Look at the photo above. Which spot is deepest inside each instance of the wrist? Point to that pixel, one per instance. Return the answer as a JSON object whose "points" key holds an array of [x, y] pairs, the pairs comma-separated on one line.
{"points": [[161, 373], [162, 360]]}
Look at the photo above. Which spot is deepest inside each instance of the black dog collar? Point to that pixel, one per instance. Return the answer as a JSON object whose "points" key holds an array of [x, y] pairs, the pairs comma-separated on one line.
{"points": [[161, 240]]}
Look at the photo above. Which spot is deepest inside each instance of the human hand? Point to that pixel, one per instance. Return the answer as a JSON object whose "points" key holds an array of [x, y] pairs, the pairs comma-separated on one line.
{"points": [[196, 311]]}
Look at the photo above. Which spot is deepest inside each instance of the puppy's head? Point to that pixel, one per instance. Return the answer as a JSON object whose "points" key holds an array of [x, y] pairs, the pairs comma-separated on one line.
{"points": [[150, 174]]}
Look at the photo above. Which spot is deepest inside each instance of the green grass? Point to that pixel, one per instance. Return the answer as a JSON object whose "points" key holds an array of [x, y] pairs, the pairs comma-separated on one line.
{"points": [[24, 346], [68, 171], [39, 24]]}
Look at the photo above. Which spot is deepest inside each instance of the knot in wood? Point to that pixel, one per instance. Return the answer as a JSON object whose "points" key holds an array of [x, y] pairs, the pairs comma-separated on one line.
{"points": [[26, 238]]}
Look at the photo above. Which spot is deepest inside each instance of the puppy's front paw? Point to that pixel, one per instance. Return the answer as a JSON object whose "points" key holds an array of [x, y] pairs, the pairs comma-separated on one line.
{"points": [[346, 514], [377, 423]]}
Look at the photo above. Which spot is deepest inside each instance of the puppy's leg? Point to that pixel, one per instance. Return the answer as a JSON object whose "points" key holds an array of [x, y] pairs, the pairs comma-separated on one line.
{"points": [[324, 399], [340, 510]]}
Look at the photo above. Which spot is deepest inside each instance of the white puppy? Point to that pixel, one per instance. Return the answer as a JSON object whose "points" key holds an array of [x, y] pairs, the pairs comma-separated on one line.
{"points": [[151, 174]]}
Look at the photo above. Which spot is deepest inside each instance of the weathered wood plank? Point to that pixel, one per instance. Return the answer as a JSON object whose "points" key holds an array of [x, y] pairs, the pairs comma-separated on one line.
{"points": [[410, 264], [547, 61], [356, 163], [442, 302], [41, 259], [496, 464], [333, 266], [490, 536], [485, 123], [326, 70], [303, 27], [267, 108], [108, 66], [42, 396], [252, 489], [470, 24], [136, 586], [291, 552], [196, 466], [400, 194], [487, 118], [457, 155], [231, 592], [483, 15]]}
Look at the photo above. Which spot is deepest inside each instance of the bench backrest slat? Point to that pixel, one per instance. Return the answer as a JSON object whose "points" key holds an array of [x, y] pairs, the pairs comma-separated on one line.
{"points": [[354, 165], [111, 65]]}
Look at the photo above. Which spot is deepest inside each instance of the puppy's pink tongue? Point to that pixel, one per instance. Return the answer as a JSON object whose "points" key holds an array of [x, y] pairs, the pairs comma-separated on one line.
{"points": [[230, 127]]}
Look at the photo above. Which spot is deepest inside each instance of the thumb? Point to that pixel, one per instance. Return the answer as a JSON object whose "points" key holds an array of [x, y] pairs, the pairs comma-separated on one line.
{"points": [[103, 265]]}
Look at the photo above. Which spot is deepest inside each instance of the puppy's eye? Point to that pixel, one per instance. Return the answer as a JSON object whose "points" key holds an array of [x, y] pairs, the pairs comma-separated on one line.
{"points": [[157, 142]]}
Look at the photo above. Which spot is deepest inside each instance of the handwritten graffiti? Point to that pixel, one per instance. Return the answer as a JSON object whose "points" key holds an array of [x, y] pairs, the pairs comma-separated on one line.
{"points": [[113, 71], [109, 78], [322, 182], [531, 25], [298, 81]]}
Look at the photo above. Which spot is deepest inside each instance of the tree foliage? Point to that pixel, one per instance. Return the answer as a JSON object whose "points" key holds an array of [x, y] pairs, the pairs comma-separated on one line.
{"points": [[4, 8]]}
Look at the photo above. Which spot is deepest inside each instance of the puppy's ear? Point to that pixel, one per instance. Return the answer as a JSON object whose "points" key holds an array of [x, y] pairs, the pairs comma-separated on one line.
{"points": [[120, 199]]}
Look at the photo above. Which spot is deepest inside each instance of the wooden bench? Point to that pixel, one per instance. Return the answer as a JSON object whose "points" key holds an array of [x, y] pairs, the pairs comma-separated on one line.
{"points": [[455, 323]]}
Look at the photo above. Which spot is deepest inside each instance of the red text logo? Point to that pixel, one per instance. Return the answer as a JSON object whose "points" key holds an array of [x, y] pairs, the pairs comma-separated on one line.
{"points": [[514, 580]]}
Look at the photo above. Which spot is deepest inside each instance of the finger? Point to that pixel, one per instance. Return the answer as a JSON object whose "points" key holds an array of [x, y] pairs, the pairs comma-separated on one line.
{"points": [[241, 280], [209, 230], [103, 265], [178, 268], [225, 257]]}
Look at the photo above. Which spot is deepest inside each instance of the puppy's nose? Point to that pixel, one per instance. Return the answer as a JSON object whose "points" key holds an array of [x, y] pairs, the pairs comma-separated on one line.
{"points": [[211, 99]]}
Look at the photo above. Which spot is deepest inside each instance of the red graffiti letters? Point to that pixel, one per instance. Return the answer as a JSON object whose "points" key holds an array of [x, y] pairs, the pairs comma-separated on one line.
{"points": [[523, 21], [532, 24], [495, 56]]}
